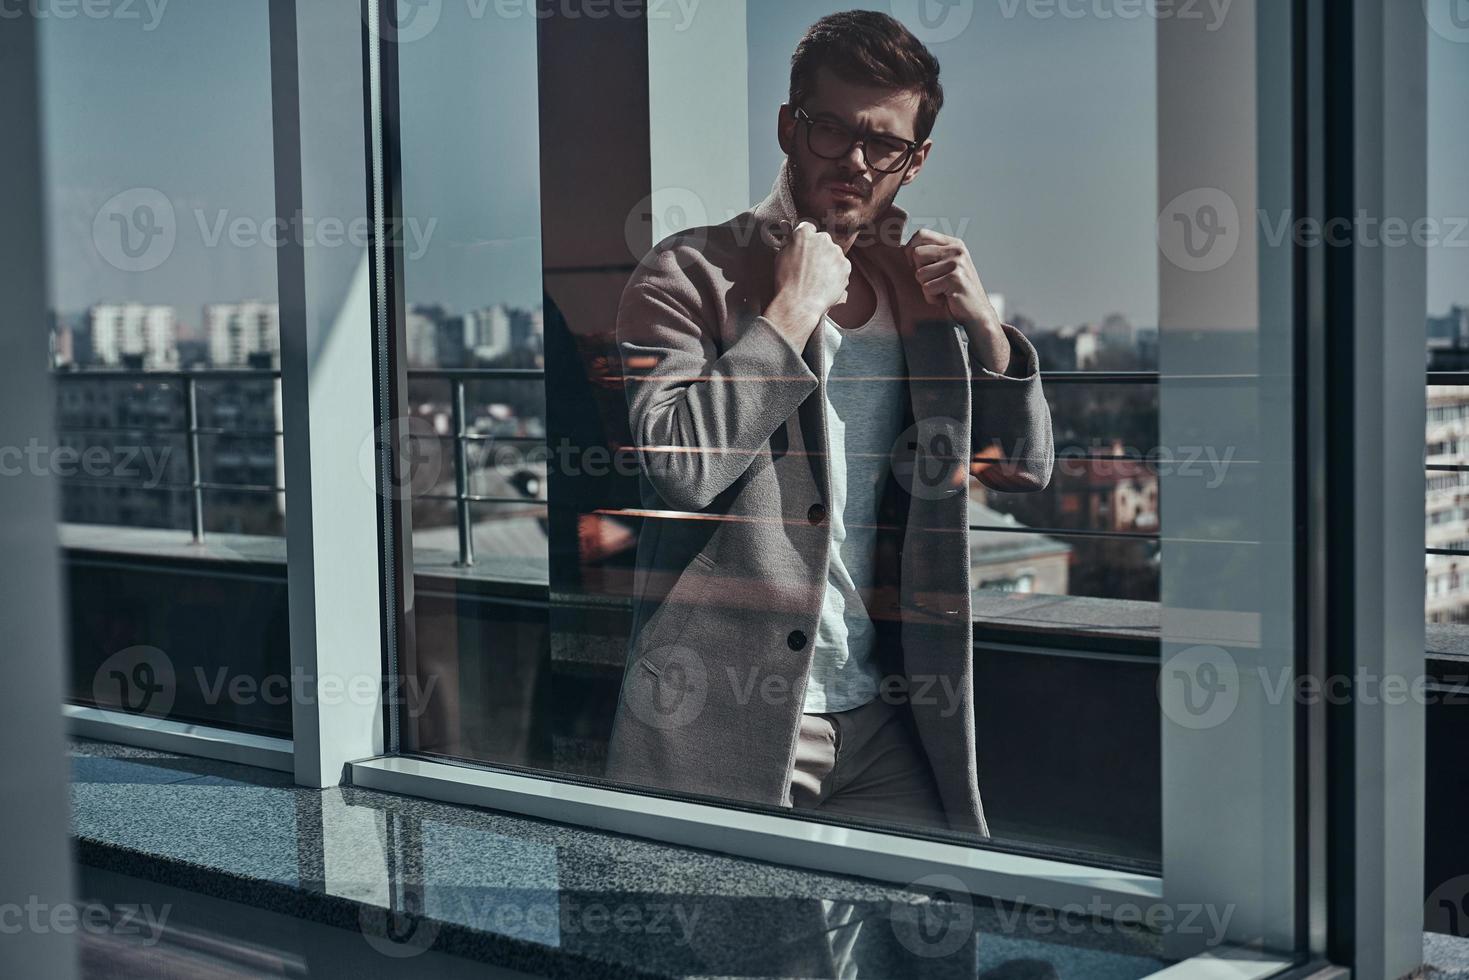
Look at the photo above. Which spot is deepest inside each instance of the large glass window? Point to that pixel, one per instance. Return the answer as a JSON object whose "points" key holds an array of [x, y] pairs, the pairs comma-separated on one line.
{"points": [[165, 331], [1446, 518], [1445, 237], [527, 510], [475, 323]]}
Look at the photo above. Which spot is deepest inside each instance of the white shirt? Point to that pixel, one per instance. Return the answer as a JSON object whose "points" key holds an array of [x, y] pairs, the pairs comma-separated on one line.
{"points": [[864, 371]]}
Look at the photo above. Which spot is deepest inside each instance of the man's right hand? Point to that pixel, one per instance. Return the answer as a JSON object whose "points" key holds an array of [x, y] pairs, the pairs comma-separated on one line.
{"points": [[811, 275]]}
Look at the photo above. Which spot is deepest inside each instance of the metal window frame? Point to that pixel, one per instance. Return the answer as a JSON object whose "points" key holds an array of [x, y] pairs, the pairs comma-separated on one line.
{"points": [[185, 738], [790, 840], [1366, 331]]}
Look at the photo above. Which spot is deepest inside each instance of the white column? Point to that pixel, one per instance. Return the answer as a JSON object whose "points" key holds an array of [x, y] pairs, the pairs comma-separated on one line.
{"points": [[327, 386], [1227, 594]]}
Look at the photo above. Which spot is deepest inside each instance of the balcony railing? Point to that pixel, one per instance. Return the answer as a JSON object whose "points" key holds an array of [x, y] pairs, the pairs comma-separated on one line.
{"points": [[1153, 378], [458, 378], [462, 438], [188, 382]]}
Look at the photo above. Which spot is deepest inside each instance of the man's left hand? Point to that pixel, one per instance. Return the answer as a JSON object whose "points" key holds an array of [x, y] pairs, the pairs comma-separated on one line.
{"points": [[946, 272]]}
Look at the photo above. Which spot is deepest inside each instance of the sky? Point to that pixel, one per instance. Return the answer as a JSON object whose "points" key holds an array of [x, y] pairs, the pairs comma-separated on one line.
{"points": [[183, 108], [1045, 159], [1448, 167]]}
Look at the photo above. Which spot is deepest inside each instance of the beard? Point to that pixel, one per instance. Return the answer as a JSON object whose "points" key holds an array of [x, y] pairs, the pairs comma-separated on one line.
{"points": [[843, 216]]}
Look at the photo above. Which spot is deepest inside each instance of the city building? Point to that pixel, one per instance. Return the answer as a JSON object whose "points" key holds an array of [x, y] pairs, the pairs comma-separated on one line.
{"points": [[1147, 348], [1117, 331], [63, 344], [438, 337], [240, 334], [1069, 348], [422, 333], [1446, 506], [134, 335], [488, 332], [1449, 330], [1110, 494], [1015, 560], [528, 329]]}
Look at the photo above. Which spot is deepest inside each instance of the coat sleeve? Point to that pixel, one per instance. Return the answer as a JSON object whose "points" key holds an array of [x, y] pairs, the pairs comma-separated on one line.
{"points": [[699, 416], [1011, 425]]}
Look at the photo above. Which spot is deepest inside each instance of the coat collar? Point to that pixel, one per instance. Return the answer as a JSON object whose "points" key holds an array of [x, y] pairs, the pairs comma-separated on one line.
{"points": [[933, 355], [878, 250], [775, 215]]}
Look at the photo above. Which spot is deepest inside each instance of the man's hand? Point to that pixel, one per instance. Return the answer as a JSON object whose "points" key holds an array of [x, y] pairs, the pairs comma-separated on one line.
{"points": [[945, 270], [811, 275]]}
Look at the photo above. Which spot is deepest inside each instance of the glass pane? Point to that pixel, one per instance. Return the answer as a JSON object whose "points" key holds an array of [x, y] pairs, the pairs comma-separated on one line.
{"points": [[640, 588], [166, 352], [1446, 460], [1446, 438]]}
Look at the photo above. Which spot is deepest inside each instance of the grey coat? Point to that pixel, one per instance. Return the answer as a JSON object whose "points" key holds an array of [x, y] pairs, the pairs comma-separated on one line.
{"points": [[732, 561]]}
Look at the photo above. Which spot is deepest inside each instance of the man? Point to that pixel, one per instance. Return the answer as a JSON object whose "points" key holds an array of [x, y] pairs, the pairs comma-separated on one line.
{"points": [[809, 395]]}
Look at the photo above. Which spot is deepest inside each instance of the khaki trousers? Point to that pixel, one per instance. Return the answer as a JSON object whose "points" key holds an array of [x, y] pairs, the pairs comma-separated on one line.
{"points": [[865, 762]]}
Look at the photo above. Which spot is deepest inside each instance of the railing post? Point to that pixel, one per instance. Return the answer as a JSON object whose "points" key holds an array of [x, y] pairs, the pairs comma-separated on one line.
{"points": [[191, 426], [461, 475], [279, 443]]}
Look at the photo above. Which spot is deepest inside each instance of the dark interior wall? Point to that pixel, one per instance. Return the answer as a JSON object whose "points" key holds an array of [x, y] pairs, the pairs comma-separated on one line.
{"points": [[1445, 844], [196, 643], [595, 172]]}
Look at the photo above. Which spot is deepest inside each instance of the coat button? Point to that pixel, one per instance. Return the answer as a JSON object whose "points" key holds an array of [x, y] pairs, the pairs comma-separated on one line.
{"points": [[797, 640], [816, 514]]}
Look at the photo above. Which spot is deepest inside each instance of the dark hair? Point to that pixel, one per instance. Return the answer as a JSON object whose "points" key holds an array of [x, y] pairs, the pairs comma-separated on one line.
{"points": [[865, 47]]}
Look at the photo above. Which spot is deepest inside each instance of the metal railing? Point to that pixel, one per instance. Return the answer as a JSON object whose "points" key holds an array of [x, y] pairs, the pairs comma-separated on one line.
{"points": [[462, 438], [1152, 378], [463, 500], [188, 382]]}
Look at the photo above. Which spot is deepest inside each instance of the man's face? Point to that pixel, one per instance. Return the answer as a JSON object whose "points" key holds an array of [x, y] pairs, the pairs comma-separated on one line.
{"points": [[843, 196]]}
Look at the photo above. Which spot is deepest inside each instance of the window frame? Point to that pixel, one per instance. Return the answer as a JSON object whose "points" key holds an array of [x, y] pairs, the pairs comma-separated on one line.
{"points": [[993, 868], [1353, 96]]}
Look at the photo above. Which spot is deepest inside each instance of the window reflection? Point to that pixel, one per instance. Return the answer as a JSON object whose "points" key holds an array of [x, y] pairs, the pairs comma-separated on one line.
{"points": [[165, 348], [526, 459]]}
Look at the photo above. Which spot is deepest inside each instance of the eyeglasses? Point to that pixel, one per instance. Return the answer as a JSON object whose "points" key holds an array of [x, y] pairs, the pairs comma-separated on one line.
{"points": [[831, 140]]}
